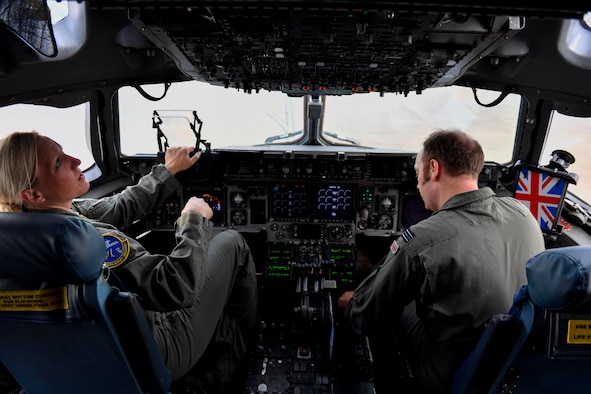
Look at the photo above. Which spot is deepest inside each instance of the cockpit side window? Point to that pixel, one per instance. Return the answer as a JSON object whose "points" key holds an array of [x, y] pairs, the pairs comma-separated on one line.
{"points": [[572, 134], [67, 126]]}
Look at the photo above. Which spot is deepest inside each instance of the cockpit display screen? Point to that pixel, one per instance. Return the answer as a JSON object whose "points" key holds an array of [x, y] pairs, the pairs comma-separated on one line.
{"points": [[279, 263], [215, 202], [334, 201], [280, 252], [290, 200], [413, 210], [341, 253]]}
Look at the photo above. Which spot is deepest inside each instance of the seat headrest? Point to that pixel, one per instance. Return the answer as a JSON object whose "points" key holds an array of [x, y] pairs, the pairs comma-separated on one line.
{"points": [[558, 279], [45, 247]]}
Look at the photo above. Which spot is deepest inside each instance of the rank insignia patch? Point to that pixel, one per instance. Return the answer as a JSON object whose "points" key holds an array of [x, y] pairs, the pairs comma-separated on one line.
{"points": [[117, 250], [405, 237]]}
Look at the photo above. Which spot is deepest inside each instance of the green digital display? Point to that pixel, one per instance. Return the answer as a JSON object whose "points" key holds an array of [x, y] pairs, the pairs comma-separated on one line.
{"points": [[279, 260], [279, 251], [278, 271], [340, 253], [343, 276]]}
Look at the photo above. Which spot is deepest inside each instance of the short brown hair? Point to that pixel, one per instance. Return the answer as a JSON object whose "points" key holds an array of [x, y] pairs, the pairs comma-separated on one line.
{"points": [[459, 153]]}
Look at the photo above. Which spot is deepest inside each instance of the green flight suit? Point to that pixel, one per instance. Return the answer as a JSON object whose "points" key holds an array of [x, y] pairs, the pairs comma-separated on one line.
{"points": [[444, 277], [202, 293]]}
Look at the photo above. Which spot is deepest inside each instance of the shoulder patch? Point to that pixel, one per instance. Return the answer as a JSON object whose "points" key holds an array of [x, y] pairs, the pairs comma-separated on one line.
{"points": [[394, 247], [406, 236], [117, 250]]}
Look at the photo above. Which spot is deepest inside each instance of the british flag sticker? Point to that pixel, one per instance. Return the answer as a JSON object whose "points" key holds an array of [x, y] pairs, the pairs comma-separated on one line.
{"points": [[394, 247], [542, 194]]}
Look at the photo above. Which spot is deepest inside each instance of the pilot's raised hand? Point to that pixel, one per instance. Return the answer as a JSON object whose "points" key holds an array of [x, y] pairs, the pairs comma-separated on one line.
{"points": [[199, 205], [178, 158]]}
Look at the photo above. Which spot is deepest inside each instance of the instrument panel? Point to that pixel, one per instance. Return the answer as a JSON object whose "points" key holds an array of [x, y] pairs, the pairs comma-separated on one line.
{"points": [[302, 195]]}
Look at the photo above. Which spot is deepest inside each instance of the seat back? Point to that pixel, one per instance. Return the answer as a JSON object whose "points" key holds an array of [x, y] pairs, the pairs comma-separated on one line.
{"points": [[544, 344], [557, 356], [503, 337], [63, 328]]}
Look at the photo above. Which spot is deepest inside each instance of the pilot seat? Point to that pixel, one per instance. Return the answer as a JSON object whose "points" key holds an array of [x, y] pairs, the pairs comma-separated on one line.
{"points": [[543, 344], [63, 327]]}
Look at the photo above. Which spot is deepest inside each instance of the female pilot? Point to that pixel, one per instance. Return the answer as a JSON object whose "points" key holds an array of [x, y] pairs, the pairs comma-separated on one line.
{"points": [[201, 294]]}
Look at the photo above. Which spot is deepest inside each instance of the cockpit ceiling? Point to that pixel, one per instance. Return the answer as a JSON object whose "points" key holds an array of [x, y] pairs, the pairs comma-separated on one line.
{"points": [[333, 47], [314, 51], [563, 9]]}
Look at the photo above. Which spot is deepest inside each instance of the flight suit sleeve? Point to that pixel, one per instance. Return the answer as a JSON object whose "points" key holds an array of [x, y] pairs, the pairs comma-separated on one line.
{"points": [[170, 282], [133, 203], [381, 296]]}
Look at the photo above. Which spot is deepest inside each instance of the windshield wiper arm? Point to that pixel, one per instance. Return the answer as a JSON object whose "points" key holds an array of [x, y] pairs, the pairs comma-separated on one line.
{"points": [[345, 138], [576, 212], [283, 136]]}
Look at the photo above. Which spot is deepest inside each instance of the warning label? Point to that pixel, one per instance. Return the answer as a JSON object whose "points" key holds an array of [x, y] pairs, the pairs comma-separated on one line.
{"points": [[34, 300], [579, 332]]}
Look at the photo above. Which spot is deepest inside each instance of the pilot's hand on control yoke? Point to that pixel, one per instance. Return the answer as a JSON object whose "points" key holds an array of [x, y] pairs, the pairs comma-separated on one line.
{"points": [[198, 205], [178, 158]]}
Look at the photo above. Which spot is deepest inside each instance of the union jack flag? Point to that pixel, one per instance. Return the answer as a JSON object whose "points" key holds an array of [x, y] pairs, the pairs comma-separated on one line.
{"points": [[542, 194]]}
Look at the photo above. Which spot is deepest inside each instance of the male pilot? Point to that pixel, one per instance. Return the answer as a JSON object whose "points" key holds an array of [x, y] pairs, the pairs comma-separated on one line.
{"points": [[444, 277]]}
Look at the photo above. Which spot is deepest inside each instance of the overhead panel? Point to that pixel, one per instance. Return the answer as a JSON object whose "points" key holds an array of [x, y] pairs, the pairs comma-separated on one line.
{"points": [[313, 51]]}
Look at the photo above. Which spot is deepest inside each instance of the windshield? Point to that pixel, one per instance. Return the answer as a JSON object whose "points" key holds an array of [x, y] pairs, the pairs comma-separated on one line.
{"points": [[231, 117], [391, 121]]}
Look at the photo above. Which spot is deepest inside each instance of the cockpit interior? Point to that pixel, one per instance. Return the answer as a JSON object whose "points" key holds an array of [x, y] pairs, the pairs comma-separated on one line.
{"points": [[319, 206]]}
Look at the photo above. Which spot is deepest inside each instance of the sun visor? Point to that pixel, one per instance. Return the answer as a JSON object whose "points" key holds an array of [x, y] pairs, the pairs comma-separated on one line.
{"points": [[30, 20]]}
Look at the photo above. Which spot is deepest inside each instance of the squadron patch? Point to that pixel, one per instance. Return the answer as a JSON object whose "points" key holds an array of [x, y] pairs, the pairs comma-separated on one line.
{"points": [[117, 250]]}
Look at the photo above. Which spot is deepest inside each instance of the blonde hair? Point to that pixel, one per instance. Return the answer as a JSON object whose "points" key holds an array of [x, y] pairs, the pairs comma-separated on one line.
{"points": [[18, 168]]}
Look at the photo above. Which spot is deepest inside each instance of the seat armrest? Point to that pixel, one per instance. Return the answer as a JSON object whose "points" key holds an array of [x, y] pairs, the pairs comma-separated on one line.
{"points": [[137, 341]]}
